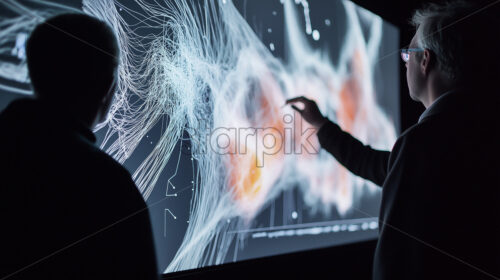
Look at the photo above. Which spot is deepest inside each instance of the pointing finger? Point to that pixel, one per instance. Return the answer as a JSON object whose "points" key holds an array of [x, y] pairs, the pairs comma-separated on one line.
{"points": [[296, 109], [297, 99]]}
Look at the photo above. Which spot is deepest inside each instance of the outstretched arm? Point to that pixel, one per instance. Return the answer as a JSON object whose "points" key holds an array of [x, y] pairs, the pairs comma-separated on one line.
{"points": [[360, 159]]}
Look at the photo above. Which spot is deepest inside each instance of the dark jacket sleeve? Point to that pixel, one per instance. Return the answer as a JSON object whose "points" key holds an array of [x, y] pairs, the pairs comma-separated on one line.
{"points": [[360, 159]]}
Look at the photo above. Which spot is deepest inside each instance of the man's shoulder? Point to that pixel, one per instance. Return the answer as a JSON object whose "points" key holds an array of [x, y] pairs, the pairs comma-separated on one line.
{"points": [[107, 182], [58, 153], [417, 141], [424, 127], [105, 166], [427, 131], [413, 133], [102, 159]]}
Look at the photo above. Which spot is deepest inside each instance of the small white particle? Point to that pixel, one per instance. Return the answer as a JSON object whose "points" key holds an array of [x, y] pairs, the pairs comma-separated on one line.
{"points": [[315, 35], [271, 46]]}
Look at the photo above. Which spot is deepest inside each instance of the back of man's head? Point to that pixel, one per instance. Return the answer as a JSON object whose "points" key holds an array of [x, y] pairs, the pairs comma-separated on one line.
{"points": [[465, 37], [72, 60]]}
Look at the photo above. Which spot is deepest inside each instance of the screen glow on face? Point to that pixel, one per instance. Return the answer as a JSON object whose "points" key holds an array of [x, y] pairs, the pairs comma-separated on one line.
{"points": [[205, 69]]}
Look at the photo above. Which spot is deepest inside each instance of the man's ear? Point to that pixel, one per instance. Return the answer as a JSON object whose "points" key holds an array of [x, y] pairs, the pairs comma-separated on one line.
{"points": [[426, 62], [108, 98], [105, 102]]}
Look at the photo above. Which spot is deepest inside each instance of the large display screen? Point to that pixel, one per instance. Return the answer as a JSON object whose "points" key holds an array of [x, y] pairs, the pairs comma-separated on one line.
{"points": [[229, 172]]}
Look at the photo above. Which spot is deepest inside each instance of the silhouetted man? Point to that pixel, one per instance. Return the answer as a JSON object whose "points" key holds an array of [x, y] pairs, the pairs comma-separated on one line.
{"points": [[68, 210], [440, 213]]}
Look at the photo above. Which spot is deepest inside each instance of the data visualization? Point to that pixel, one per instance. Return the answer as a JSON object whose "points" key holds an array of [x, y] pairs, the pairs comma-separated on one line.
{"points": [[199, 117]]}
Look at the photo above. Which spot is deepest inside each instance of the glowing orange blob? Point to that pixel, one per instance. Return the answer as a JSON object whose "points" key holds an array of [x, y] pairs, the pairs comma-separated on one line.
{"points": [[245, 178]]}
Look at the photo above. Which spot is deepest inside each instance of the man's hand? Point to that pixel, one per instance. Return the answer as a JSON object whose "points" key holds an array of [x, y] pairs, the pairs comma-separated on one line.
{"points": [[310, 113]]}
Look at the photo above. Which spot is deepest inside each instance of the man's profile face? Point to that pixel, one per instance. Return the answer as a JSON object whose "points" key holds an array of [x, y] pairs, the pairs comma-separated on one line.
{"points": [[413, 74]]}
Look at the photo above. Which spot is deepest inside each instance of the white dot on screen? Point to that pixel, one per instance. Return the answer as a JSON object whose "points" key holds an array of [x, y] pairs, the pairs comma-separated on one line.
{"points": [[287, 119], [328, 22], [269, 30], [271, 46], [315, 35], [294, 215]]}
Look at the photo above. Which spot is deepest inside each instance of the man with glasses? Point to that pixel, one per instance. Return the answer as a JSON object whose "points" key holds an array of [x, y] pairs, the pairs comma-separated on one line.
{"points": [[439, 216]]}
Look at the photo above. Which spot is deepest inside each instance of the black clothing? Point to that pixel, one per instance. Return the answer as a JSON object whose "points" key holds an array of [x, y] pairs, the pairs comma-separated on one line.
{"points": [[67, 209], [358, 158], [439, 217]]}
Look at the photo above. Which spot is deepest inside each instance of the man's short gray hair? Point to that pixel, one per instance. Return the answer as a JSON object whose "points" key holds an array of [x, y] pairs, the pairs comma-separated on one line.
{"points": [[434, 33], [465, 39]]}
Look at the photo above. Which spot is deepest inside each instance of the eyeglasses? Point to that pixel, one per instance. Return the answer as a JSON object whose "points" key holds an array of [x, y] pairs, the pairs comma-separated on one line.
{"points": [[405, 53]]}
